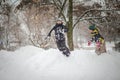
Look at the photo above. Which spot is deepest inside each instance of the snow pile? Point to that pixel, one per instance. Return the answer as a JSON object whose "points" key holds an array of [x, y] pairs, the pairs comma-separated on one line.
{"points": [[32, 63]]}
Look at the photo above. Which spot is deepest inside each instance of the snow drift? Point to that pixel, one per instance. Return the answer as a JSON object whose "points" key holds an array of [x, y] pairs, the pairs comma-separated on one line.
{"points": [[32, 63]]}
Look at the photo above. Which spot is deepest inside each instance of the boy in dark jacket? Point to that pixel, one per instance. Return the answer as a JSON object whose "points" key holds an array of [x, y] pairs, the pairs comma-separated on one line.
{"points": [[60, 29]]}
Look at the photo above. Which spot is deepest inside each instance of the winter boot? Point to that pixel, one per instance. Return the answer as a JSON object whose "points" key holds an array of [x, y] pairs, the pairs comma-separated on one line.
{"points": [[66, 52]]}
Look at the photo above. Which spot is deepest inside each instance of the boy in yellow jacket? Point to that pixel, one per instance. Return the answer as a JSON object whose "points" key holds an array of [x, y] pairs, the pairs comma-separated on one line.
{"points": [[96, 37]]}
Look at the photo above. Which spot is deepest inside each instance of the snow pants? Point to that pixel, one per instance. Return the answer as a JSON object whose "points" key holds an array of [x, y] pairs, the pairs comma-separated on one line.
{"points": [[62, 45]]}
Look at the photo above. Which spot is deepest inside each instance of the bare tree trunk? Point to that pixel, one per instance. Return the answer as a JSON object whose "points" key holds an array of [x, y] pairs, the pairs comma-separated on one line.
{"points": [[1, 37], [70, 26]]}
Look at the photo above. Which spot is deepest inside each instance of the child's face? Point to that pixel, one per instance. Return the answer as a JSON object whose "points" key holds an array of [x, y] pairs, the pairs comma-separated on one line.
{"points": [[59, 22], [91, 31]]}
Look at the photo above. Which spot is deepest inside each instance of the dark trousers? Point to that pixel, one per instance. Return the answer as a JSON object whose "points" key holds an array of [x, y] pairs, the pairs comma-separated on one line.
{"points": [[62, 47]]}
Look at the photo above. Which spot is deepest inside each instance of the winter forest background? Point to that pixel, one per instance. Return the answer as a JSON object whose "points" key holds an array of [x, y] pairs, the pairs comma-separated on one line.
{"points": [[27, 22], [26, 55]]}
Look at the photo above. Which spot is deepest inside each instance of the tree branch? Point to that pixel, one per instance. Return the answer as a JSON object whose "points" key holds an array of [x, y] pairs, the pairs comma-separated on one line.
{"points": [[90, 18], [87, 11], [61, 9], [59, 1], [57, 5]]}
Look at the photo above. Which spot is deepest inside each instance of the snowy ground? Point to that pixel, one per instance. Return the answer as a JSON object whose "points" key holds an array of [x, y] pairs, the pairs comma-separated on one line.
{"points": [[31, 63]]}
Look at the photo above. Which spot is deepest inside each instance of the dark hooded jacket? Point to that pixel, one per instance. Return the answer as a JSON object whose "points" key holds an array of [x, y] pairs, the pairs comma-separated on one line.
{"points": [[59, 31]]}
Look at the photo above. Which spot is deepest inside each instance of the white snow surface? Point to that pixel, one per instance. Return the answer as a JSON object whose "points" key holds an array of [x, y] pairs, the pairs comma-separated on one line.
{"points": [[32, 63]]}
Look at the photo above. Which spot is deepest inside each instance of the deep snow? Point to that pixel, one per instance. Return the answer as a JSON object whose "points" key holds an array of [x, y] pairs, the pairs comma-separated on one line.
{"points": [[32, 63]]}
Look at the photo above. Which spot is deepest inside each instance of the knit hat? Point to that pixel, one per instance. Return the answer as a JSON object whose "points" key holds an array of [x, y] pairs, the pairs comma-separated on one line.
{"points": [[92, 27]]}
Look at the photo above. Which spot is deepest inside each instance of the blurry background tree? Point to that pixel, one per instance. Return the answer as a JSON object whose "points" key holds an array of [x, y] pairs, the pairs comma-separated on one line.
{"points": [[4, 24], [25, 22]]}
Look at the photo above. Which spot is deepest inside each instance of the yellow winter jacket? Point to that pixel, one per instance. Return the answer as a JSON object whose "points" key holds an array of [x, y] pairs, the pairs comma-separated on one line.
{"points": [[101, 40], [94, 32], [96, 35]]}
